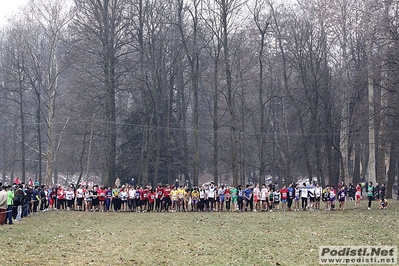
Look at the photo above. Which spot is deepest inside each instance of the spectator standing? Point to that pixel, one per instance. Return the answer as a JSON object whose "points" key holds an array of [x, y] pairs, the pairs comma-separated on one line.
{"points": [[351, 192], [377, 191], [18, 201], [3, 203], [382, 192], [133, 182], [10, 201]]}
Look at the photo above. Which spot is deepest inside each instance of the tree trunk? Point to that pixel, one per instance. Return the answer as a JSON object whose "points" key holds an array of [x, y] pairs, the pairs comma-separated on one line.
{"points": [[392, 167], [371, 108]]}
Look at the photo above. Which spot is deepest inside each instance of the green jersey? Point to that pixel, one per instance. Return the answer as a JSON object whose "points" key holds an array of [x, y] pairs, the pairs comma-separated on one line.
{"points": [[233, 192], [370, 191], [271, 195]]}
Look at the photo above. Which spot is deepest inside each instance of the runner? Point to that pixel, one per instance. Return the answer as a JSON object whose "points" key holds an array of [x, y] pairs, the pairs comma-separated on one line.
{"points": [[370, 194], [60, 197], [341, 198], [291, 195], [70, 197], [311, 192], [166, 198], [297, 192], [240, 198], [194, 199], [276, 200], [151, 200], [248, 198], [124, 196], [227, 198], [95, 202], [108, 199], [174, 197], [271, 200], [158, 199], [284, 197], [79, 198], [333, 197], [358, 196], [211, 196], [180, 202], [222, 197], [257, 198], [187, 200], [234, 197], [318, 193], [304, 196], [101, 198]]}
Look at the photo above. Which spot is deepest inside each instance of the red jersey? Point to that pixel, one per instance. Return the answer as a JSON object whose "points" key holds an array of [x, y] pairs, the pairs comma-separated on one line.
{"points": [[101, 194], [61, 194], [159, 193], [151, 197], [284, 193], [166, 192], [141, 191], [145, 194]]}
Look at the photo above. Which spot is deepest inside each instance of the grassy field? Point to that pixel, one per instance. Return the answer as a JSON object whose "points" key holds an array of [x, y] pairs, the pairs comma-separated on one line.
{"points": [[79, 238]]}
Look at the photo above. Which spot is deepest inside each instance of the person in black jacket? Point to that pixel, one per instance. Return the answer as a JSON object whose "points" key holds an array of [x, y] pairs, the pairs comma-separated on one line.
{"points": [[382, 192], [377, 191], [18, 202], [27, 202], [351, 191]]}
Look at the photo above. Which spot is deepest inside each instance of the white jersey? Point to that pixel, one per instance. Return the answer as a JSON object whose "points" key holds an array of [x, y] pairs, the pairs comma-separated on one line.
{"points": [[132, 193], [211, 192], [69, 195], [123, 195], [256, 192], [263, 194], [311, 192], [304, 192], [79, 193], [318, 192]]}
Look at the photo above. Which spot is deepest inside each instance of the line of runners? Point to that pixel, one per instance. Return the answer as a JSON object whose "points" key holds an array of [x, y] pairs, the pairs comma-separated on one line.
{"points": [[22, 201]]}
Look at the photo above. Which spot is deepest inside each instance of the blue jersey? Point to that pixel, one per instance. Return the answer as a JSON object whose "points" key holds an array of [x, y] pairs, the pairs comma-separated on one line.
{"points": [[291, 193], [247, 192], [35, 194]]}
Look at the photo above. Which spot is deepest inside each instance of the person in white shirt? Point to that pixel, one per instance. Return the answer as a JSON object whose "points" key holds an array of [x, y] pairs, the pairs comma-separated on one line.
{"points": [[211, 196], [221, 192], [201, 204], [130, 201], [69, 196], [318, 191], [311, 192], [124, 195], [304, 196], [257, 198], [79, 198], [263, 197]]}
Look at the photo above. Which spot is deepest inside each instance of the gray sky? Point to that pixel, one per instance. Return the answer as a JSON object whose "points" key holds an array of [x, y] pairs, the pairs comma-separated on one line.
{"points": [[7, 7]]}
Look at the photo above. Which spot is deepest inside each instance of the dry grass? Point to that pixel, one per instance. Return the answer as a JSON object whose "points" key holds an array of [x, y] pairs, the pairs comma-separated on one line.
{"points": [[78, 238]]}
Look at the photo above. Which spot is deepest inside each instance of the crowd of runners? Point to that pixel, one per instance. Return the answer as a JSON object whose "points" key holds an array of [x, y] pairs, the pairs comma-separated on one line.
{"points": [[20, 200]]}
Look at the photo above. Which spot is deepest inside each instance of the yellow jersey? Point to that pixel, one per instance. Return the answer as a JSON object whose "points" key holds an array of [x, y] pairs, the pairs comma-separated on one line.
{"points": [[173, 194], [180, 193]]}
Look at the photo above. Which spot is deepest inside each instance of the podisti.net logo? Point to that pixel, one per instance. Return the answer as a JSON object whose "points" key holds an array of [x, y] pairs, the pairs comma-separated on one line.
{"points": [[363, 255]]}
